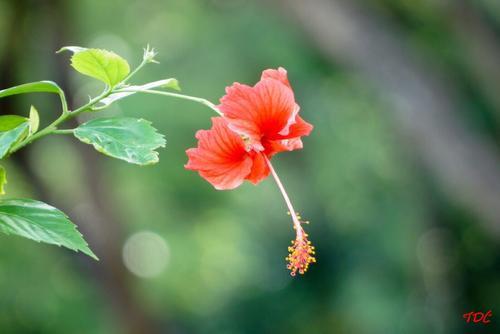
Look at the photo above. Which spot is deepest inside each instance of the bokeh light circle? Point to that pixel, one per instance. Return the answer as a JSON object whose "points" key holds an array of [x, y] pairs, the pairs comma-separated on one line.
{"points": [[146, 254]]}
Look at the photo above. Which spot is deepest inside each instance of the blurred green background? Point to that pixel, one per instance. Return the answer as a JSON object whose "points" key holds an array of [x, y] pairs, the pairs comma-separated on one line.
{"points": [[399, 177]]}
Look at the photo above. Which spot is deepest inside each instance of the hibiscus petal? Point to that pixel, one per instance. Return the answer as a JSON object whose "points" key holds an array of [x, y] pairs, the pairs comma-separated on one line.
{"points": [[276, 146], [290, 142], [264, 110], [260, 169], [280, 74], [220, 157], [298, 129]]}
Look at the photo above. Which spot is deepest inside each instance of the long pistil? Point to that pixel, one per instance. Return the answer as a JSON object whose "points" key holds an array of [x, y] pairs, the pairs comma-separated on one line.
{"points": [[301, 252]]}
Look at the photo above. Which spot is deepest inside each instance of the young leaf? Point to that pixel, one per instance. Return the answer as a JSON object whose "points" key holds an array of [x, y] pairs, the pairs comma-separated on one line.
{"points": [[9, 122], [41, 222], [73, 49], [172, 84], [33, 87], [130, 139], [9, 138], [165, 83], [99, 64], [34, 120], [3, 180]]}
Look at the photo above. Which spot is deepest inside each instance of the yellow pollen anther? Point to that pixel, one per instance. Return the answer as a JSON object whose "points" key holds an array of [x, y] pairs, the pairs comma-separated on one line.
{"points": [[300, 254]]}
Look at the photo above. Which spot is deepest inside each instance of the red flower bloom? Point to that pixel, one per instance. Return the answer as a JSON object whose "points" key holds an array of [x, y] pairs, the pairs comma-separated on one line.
{"points": [[257, 123], [223, 159], [259, 120], [266, 113]]}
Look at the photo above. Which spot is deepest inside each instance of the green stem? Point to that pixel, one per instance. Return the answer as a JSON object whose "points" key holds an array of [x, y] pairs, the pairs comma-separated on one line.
{"points": [[137, 69], [51, 128], [176, 95], [64, 103], [63, 132], [67, 114]]}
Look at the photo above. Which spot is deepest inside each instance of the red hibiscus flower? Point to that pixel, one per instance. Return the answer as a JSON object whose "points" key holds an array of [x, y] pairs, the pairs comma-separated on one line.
{"points": [[259, 120]]}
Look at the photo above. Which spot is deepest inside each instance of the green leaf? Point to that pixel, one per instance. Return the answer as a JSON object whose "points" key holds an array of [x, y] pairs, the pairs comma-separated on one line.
{"points": [[99, 64], [11, 137], [165, 83], [9, 122], [130, 139], [34, 120], [33, 87], [41, 222], [3, 180]]}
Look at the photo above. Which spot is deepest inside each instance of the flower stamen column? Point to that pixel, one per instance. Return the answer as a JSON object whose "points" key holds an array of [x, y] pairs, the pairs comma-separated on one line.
{"points": [[301, 252]]}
